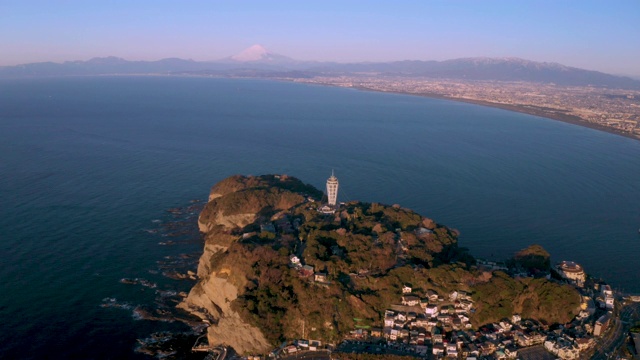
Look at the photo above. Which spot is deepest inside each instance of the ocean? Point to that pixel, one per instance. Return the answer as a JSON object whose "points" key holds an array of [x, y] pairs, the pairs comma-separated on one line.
{"points": [[90, 166]]}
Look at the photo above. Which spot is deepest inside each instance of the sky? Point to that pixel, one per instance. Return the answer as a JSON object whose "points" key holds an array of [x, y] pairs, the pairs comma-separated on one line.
{"points": [[595, 35]]}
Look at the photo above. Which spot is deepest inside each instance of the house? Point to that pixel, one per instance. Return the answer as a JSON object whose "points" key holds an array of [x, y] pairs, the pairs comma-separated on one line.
{"points": [[530, 339], [432, 295], [608, 301], [421, 322], [511, 351], [406, 289], [421, 349], [516, 318], [499, 355], [424, 302], [431, 310], [452, 350], [457, 323], [505, 326], [320, 277], [601, 324], [388, 321], [466, 304], [326, 209], [438, 349], [376, 332], [306, 271], [437, 338], [410, 300], [445, 319], [487, 348], [294, 260], [584, 343], [463, 295]]}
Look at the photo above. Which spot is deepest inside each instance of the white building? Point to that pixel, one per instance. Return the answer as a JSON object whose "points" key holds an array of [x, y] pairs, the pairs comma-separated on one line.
{"points": [[572, 271], [332, 190]]}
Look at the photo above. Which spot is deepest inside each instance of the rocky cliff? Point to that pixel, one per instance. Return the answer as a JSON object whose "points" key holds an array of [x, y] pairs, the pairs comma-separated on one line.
{"points": [[260, 230], [234, 204]]}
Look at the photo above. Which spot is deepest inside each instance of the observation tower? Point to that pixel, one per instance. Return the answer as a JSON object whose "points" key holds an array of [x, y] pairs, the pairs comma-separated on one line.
{"points": [[332, 190]]}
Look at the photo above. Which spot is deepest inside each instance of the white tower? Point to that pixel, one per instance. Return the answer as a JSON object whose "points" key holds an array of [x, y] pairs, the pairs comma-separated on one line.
{"points": [[332, 189]]}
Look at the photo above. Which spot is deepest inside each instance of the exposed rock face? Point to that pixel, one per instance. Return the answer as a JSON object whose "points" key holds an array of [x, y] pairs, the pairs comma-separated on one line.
{"points": [[233, 204], [210, 299]]}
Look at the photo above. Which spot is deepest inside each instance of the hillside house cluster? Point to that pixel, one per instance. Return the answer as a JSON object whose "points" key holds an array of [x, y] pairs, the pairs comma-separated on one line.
{"points": [[501, 340], [439, 326], [422, 321]]}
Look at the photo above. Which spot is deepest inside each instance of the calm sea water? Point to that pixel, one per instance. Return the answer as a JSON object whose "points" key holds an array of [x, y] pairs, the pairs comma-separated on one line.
{"points": [[87, 164]]}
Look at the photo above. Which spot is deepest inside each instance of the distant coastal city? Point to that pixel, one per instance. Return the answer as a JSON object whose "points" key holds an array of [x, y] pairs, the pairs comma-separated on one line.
{"points": [[608, 109]]}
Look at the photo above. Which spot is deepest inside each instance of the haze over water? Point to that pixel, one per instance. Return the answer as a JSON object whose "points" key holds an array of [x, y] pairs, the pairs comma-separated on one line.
{"points": [[88, 163]]}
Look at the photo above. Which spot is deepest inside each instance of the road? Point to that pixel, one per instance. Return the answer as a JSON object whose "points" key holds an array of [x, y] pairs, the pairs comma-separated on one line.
{"points": [[613, 339], [309, 355], [217, 353]]}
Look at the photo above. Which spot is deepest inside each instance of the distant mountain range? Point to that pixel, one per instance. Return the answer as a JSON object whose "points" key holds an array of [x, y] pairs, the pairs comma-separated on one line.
{"points": [[259, 62]]}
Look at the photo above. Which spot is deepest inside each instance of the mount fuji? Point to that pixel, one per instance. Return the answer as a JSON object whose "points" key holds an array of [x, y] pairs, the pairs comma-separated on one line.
{"points": [[260, 54]]}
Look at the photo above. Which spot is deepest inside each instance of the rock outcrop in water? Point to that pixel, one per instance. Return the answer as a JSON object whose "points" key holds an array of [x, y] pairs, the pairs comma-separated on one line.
{"points": [[259, 231]]}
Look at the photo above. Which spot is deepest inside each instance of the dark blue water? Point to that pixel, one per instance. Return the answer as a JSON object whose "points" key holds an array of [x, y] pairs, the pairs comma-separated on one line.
{"points": [[86, 164]]}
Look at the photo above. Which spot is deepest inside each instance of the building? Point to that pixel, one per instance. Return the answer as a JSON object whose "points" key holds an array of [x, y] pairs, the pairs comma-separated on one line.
{"points": [[572, 271], [320, 277], [332, 190], [601, 325], [607, 294], [306, 271], [410, 300]]}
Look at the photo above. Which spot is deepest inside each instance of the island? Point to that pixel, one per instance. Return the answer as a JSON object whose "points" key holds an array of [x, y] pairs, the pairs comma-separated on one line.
{"points": [[284, 273]]}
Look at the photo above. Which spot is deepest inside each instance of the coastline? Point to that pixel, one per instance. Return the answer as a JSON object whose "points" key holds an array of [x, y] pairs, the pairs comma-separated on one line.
{"points": [[529, 110], [551, 114]]}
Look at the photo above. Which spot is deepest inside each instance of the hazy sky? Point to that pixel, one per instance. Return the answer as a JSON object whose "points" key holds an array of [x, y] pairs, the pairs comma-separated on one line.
{"points": [[597, 35]]}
